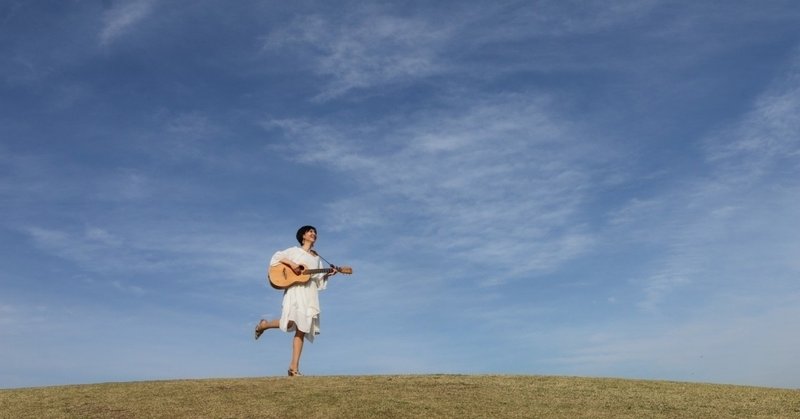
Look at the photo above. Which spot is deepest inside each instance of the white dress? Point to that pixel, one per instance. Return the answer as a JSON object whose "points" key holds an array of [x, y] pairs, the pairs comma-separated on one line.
{"points": [[301, 301]]}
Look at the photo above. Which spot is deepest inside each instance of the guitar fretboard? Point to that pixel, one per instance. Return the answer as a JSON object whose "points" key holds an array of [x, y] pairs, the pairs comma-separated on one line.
{"points": [[316, 271]]}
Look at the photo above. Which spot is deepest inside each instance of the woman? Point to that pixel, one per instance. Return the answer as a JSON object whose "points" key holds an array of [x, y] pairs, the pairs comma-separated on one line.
{"points": [[300, 312]]}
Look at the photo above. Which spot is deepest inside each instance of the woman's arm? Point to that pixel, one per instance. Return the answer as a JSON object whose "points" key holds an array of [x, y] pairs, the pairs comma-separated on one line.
{"points": [[282, 256], [295, 267]]}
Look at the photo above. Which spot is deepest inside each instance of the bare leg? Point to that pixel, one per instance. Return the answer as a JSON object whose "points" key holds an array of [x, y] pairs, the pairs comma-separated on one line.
{"points": [[264, 325], [268, 324], [297, 350]]}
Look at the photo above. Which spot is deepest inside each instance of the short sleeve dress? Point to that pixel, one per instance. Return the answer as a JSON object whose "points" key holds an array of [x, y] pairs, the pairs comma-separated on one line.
{"points": [[301, 301]]}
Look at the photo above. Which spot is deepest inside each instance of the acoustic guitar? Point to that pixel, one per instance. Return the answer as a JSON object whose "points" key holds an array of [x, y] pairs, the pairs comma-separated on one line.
{"points": [[281, 276]]}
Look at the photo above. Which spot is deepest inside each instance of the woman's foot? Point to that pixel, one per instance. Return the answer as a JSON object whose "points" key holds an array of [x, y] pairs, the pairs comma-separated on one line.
{"points": [[260, 328], [294, 373]]}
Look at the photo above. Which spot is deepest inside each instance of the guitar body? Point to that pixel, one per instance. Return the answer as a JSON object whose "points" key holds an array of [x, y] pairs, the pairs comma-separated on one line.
{"points": [[281, 276]]}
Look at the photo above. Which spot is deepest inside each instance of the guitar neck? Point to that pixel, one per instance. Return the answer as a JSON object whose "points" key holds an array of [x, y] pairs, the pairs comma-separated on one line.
{"points": [[317, 271]]}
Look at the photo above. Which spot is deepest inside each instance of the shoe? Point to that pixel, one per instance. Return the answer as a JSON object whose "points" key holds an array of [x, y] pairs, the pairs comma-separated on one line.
{"points": [[294, 373], [259, 332]]}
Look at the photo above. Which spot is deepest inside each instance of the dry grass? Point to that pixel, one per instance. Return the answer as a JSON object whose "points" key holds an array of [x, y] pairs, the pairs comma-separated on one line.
{"points": [[428, 396]]}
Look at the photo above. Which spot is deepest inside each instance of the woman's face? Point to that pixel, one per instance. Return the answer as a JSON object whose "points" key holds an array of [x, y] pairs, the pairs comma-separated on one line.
{"points": [[310, 236]]}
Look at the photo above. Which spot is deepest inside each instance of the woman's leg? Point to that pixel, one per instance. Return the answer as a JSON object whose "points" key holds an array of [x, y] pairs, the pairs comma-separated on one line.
{"points": [[264, 325], [268, 324], [297, 350]]}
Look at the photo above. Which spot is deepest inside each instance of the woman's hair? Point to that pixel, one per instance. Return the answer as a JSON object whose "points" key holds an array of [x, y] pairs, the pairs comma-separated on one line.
{"points": [[303, 231]]}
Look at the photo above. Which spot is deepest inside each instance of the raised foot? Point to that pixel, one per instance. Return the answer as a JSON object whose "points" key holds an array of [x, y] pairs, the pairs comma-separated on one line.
{"points": [[259, 329]]}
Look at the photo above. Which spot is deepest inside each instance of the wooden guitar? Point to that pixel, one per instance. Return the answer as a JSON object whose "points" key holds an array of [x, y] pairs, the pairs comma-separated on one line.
{"points": [[282, 276]]}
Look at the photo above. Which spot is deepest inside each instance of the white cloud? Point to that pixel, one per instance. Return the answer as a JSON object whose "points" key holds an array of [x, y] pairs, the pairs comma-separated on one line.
{"points": [[155, 249], [711, 229], [122, 18], [765, 139], [365, 48], [501, 179]]}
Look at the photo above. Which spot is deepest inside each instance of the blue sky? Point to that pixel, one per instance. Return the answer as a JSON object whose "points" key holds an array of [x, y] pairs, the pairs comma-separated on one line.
{"points": [[544, 187]]}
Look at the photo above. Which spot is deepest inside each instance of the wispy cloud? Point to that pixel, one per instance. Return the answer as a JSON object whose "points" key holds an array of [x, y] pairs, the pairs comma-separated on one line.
{"points": [[719, 222], [375, 47], [502, 179], [766, 139], [122, 18], [164, 249], [365, 49]]}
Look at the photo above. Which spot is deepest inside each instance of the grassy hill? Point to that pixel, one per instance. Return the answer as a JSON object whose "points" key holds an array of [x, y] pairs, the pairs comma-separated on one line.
{"points": [[423, 396]]}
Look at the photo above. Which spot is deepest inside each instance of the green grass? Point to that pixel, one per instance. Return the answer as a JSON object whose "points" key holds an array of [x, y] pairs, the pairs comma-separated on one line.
{"points": [[421, 396]]}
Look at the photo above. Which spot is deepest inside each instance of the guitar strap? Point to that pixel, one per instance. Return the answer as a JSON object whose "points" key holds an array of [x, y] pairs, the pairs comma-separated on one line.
{"points": [[326, 261]]}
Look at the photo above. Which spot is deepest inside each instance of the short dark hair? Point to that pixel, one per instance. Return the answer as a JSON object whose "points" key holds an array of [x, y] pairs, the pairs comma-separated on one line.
{"points": [[303, 231]]}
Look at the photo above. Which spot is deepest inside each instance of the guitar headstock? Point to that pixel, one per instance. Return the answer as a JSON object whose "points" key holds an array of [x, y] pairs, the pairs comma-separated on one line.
{"points": [[344, 269]]}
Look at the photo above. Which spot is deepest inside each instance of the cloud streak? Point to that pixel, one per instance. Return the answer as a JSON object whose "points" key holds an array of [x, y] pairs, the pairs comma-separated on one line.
{"points": [[123, 18], [365, 49], [153, 251], [505, 179], [717, 222]]}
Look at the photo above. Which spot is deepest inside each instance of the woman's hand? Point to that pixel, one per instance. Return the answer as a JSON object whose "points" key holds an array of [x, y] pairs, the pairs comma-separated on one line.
{"points": [[331, 273], [297, 269]]}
